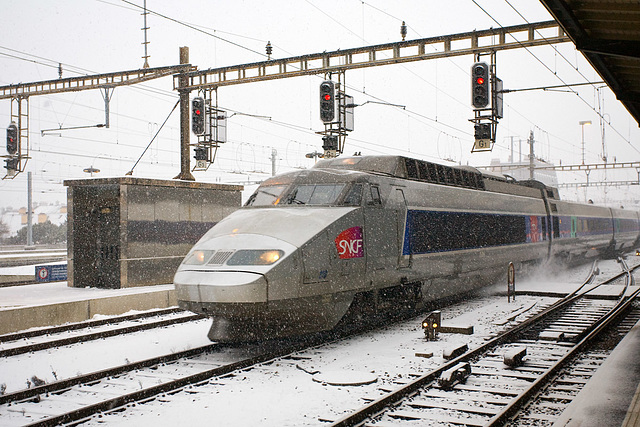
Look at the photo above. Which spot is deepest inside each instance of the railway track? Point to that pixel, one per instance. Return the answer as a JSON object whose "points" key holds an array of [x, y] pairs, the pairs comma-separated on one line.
{"points": [[491, 384], [74, 399], [57, 336]]}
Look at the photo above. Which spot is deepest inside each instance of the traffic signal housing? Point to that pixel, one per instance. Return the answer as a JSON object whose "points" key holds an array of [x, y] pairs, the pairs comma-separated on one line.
{"points": [[480, 85], [431, 325], [197, 115], [12, 139], [482, 131], [327, 101], [11, 165]]}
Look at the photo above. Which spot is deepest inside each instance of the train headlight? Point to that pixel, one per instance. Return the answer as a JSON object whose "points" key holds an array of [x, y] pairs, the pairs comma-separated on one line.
{"points": [[255, 257], [198, 257]]}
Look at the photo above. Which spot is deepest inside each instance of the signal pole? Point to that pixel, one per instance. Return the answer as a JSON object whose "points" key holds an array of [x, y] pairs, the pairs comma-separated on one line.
{"points": [[29, 211], [185, 136]]}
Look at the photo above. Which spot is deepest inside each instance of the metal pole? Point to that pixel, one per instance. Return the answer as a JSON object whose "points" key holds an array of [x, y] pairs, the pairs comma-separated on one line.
{"points": [[146, 42], [582, 126], [29, 211], [511, 159], [185, 135], [274, 156], [531, 164]]}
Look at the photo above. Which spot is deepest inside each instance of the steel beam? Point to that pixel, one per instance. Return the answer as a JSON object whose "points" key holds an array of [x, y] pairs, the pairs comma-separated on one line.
{"points": [[95, 81], [468, 43], [599, 184], [565, 168]]}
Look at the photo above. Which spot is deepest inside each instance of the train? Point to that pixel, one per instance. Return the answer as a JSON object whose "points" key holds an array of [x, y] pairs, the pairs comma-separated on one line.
{"points": [[355, 236]]}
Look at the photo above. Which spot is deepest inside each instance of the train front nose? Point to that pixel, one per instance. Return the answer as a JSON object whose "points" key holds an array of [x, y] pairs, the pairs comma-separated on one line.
{"points": [[225, 272], [196, 290]]}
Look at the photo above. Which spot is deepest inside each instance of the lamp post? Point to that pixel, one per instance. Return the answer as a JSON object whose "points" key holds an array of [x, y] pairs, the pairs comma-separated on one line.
{"points": [[582, 124]]}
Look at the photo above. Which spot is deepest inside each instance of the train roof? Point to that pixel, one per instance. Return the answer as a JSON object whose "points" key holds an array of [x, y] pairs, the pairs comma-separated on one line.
{"points": [[421, 170]]}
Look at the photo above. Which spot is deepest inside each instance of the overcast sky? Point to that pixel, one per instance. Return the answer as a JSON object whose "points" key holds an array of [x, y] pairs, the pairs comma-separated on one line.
{"points": [[99, 36]]}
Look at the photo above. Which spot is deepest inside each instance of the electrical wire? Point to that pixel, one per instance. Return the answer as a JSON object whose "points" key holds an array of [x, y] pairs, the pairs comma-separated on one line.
{"points": [[195, 28], [153, 139], [557, 76]]}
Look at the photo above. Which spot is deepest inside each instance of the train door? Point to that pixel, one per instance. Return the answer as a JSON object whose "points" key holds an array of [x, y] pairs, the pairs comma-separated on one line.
{"points": [[380, 234], [574, 226], [404, 261], [551, 209]]}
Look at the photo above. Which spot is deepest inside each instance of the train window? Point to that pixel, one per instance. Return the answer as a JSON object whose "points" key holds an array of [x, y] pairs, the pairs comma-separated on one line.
{"points": [[322, 194], [266, 195], [255, 257], [556, 226], [375, 196], [354, 196]]}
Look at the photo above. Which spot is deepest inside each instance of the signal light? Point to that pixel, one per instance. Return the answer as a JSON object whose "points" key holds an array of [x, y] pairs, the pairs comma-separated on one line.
{"points": [[482, 131], [12, 139], [480, 85], [197, 115], [200, 153], [327, 101], [11, 165], [431, 325]]}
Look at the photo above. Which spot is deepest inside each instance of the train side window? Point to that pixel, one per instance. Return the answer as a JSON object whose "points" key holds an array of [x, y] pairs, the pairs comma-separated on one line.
{"points": [[375, 196], [354, 196]]}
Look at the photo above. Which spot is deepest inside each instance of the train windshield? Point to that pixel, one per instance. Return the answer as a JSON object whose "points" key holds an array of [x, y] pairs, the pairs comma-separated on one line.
{"points": [[266, 195], [314, 194]]}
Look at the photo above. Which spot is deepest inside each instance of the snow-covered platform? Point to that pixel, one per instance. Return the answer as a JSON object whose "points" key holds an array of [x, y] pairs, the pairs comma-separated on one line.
{"points": [[612, 396], [46, 304]]}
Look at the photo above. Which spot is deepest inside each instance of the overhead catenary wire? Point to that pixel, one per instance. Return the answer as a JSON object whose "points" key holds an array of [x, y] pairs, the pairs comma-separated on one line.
{"points": [[153, 139], [196, 29]]}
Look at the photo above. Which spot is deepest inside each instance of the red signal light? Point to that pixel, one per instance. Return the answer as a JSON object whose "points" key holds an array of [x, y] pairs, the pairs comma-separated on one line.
{"points": [[327, 97], [480, 80], [198, 112]]}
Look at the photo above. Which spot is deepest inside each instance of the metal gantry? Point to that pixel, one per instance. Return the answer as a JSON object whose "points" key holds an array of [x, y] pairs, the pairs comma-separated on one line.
{"points": [[20, 93], [600, 184], [494, 39], [187, 78], [94, 81]]}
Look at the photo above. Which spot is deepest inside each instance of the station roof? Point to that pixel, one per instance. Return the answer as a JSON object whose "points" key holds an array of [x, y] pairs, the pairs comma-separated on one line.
{"points": [[607, 32]]}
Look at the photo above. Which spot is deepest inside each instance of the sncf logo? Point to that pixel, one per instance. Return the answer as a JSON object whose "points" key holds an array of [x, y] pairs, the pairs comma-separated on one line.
{"points": [[349, 243]]}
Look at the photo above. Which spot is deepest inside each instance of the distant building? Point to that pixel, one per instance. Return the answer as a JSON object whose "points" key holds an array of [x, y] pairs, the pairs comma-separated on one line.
{"points": [[16, 219]]}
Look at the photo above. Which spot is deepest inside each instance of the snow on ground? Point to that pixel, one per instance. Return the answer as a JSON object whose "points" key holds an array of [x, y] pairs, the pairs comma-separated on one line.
{"points": [[288, 391], [69, 361]]}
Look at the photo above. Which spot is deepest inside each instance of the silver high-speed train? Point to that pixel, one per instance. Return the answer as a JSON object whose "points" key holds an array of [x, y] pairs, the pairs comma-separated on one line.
{"points": [[361, 234]]}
